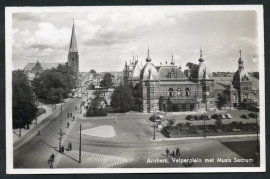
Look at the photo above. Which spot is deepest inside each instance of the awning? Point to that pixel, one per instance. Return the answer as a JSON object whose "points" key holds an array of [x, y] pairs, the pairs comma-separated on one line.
{"points": [[183, 101]]}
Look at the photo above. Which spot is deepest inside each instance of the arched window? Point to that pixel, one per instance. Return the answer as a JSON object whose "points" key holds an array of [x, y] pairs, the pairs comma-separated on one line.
{"points": [[254, 95], [170, 92], [246, 95], [187, 91], [234, 96], [179, 91]]}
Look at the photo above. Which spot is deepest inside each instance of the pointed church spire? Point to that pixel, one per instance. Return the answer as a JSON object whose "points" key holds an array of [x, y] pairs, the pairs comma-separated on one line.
{"points": [[73, 42]]}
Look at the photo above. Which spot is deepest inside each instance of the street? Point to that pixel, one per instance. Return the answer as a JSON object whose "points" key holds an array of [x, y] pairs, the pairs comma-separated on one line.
{"points": [[131, 147]]}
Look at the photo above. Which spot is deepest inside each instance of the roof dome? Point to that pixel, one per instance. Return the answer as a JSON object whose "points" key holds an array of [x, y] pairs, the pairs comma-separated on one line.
{"points": [[202, 71], [241, 74], [149, 72]]}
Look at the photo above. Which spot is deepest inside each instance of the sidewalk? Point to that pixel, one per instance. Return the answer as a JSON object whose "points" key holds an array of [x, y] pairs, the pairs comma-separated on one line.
{"points": [[207, 137], [39, 119]]}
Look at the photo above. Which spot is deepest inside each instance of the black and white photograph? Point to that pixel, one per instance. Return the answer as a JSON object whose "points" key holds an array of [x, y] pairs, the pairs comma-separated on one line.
{"points": [[135, 89]]}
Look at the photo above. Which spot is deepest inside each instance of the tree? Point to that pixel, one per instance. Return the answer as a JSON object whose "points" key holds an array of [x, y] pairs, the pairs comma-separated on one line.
{"points": [[97, 93], [192, 67], [223, 98], [218, 123], [24, 108], [93, 71], [50, 84], [107, 81], [122, 98]]}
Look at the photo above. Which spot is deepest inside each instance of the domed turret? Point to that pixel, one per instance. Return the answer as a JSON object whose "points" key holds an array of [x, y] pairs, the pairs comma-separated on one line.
{"points": [[146, 69], [202, 71], [241, 74]]}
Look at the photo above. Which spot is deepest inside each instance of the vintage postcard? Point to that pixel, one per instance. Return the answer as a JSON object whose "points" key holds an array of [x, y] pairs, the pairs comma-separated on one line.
{"points": [[135, 89]]}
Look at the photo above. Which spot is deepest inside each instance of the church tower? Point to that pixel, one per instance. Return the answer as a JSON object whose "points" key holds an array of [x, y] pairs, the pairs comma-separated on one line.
{"points": [[73, 56]]}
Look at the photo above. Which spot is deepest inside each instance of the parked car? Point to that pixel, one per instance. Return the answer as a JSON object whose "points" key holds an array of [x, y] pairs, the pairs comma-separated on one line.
{"points": [[189, 124], [204, 116], [196, 117], [188, 117], [222, 116], [244, 116], [228, 116], [214, 116], [252, 115]]}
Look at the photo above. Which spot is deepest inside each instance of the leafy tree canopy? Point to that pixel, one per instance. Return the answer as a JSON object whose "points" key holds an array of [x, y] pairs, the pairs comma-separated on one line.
{"points": [[23, 99], [122, 98], [223, 98], [107, 81], [93, 71], [192, 67], [50, 84]]}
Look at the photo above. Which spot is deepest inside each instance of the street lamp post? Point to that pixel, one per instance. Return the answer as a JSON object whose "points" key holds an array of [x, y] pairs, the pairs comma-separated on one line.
{"points": [[20, 134], [204, 126], [154, 123], [60, 138]]}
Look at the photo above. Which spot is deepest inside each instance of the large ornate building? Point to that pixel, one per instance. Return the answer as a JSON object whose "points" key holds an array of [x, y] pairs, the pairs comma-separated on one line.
{"points": [[167, 88]]}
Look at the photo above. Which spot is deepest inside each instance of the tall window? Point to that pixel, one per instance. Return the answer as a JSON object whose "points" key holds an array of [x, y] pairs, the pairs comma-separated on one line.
{"points": [[246, 95], [179, 91], [234, 96], [254, 95], [187, 91], [170, 92]]}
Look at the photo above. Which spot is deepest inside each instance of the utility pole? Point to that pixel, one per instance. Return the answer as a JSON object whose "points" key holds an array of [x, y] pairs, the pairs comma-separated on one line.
{"points": [[20, 134], [258, 145], [154, 123], [204, 126], [80, 151]]}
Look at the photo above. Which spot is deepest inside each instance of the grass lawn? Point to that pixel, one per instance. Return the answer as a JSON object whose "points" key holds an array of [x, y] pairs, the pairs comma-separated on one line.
{"points": [[245, 149]]}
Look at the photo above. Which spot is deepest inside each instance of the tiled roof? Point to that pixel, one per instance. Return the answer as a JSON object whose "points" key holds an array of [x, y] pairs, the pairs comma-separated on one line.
{"points": [[45, 66], [163, 72]]}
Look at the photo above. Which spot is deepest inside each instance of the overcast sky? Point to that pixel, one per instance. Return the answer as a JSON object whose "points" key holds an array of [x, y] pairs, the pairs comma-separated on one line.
{"points": [[107, 38]]}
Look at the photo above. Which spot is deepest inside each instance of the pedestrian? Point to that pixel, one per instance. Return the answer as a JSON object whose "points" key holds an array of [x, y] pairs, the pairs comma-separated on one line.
{"points": [[52, 157], [73, 118], [177, 151], [67, 125], [63, 149], [70, 114], [70, 146], [75, 107], [38, 133], [167, 152]]}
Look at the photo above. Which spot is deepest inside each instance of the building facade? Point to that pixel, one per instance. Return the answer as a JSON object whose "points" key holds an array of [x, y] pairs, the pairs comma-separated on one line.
{"points": [[166, 88]]}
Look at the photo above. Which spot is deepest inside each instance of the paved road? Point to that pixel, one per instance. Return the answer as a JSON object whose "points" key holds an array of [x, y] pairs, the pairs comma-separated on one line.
{"points": [[131, 142]]}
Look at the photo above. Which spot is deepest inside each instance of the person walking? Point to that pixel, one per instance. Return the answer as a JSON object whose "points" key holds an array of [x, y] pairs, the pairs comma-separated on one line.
{"points": [[73, 118], [52, 158], [167, 152], [63, 149], [67, 125], [70, 114], [70, 145], [38, 134], [177, 151]]}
